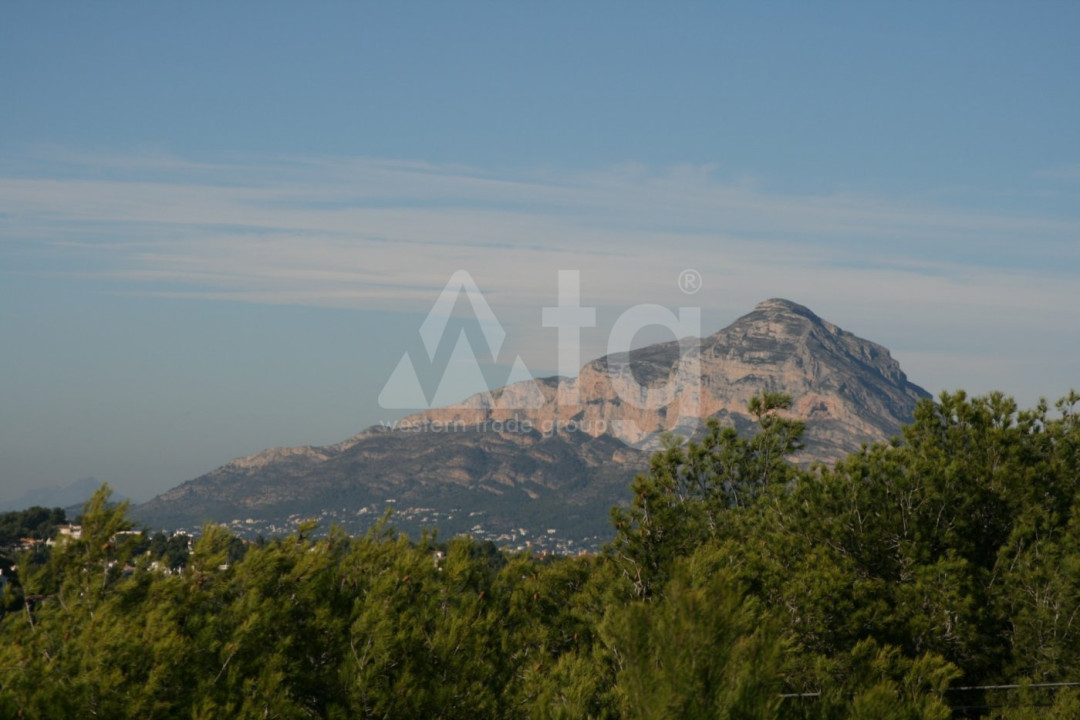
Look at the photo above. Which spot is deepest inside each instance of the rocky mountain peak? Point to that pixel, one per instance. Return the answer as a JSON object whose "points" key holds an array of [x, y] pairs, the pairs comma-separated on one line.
{"points": [[851, 389], [551, 450], [777, 317], [781, 305]]}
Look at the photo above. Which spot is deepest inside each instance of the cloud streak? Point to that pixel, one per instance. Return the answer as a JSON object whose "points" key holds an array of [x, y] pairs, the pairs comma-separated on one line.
{"points": [[383, 234]]}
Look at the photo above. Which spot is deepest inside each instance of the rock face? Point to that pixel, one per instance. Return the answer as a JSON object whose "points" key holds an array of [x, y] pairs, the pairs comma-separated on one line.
{"points": [[554, 454], [849, 390]]}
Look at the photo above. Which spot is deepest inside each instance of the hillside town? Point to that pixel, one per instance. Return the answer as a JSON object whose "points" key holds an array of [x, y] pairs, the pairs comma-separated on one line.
{"points": [[415, 522]]}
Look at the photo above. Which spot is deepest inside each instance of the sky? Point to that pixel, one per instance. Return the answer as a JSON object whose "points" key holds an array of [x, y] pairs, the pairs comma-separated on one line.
{"points": [[222, 226]]}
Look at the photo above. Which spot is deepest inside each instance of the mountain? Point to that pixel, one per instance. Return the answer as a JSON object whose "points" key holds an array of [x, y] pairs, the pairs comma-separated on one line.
{"points": [[70, 497], [542, 461]]}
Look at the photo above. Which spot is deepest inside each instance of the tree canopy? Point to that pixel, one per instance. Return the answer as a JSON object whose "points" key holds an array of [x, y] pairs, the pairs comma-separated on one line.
{"points": [[934, 576]]}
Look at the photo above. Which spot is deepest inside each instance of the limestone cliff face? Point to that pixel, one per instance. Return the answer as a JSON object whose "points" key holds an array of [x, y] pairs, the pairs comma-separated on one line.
{"points": [[849, 390], [559, 452]]}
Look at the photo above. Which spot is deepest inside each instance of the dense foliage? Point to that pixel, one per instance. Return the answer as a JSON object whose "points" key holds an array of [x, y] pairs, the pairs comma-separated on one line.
{"points": [[37, 523], [737, 586]]}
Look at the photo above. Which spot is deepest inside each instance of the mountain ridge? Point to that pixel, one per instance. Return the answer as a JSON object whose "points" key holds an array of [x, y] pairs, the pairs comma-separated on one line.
{"points": [[534, 455]]}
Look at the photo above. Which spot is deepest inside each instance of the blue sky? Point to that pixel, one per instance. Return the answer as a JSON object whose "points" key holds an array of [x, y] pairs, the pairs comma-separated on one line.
{"points": [[221, 227]]}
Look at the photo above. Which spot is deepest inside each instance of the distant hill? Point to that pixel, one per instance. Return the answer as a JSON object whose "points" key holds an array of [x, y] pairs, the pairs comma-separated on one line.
{"points": [[70, 497], [488, 466]]}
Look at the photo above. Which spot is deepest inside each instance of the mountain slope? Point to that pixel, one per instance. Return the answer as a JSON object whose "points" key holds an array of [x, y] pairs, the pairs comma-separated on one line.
{"points": [[850, 390], [542, 461]]}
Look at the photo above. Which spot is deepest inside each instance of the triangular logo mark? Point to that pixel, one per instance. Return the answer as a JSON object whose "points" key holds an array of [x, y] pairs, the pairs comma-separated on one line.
{"points": [[403, 391], [462, 377], [434, 325]]}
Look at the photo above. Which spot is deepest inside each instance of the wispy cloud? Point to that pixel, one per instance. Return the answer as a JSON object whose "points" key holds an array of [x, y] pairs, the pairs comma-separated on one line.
{"points": [[386, 234]]}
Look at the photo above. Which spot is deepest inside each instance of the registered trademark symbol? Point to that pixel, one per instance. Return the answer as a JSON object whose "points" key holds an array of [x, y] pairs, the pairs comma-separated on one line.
{"points": [[689, 281]]}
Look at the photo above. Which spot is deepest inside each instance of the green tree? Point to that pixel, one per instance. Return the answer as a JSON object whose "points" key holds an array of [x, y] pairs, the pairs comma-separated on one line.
{"points": [[704, 649], [687, 495]]}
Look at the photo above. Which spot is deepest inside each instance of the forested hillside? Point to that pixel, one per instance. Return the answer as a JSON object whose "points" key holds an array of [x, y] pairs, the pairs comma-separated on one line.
{"points": [[933, 577]]}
